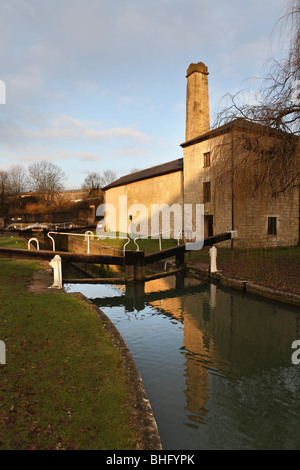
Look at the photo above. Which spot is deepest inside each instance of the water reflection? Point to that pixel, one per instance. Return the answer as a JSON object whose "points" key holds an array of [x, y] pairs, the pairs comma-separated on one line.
{"points": [[216, 364]]}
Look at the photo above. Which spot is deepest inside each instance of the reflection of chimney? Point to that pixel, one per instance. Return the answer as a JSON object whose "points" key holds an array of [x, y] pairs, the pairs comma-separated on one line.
{"points": [[197, 104]]}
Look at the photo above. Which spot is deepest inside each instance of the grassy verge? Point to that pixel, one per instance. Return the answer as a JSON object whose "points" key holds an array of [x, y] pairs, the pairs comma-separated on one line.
{"points": [[63, 386], [277, 268], [12, 242], [145, 244]]}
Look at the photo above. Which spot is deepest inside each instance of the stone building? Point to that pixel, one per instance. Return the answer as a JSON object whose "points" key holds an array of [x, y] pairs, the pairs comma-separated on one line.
{"points": [[221, 170], [162, 184]]}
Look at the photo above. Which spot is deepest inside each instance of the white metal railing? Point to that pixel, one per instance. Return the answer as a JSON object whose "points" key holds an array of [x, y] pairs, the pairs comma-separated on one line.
{"points": [[33, 240], [37, 225], [159, 238], [87, 236], [124, 246]]}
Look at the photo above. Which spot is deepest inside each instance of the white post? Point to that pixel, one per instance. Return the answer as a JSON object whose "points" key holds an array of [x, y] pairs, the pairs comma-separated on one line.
{"points": [[213, 259], [87, 235], [55, 263], [2, 353], [53, 242]]}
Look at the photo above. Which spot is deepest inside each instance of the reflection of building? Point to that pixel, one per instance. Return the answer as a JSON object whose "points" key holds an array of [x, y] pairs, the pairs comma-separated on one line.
{"points": [[221, 170], [223, 334], [169, 306]]}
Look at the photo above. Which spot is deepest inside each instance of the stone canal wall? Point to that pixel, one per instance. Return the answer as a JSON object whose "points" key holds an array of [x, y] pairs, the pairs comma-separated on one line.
{"points": [[246, 286]]}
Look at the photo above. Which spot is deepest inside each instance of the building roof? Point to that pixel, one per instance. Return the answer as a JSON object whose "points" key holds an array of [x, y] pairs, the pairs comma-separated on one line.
{"points": [[159, 170], [237, 124], [177, 165]]}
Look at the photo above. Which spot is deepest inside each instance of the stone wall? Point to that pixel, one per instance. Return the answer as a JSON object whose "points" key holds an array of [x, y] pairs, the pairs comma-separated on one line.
{"points": [[215, 174], [164, 189], [234, 203], [218, 174], [75, 244]]}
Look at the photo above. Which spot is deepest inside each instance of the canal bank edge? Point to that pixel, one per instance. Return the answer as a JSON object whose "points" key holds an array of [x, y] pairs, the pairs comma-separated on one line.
{"points": [[244, 285], [144, 422]]}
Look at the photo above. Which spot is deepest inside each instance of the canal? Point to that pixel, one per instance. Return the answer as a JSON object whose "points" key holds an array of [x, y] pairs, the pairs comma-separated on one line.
{"points": [[216, 365]]}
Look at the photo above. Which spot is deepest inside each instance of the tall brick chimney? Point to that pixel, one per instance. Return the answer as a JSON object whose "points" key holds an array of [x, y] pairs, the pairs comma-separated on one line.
{"points": [[197, 103]]}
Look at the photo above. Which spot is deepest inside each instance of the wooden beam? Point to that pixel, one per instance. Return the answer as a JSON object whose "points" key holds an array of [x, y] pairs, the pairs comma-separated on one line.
{"points": [[66, 256], [138, 259]]}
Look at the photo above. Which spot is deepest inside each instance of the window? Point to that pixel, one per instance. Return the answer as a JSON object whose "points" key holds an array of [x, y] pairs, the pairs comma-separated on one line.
{"points": [[206, 192], [206, 159], [272, 225]]}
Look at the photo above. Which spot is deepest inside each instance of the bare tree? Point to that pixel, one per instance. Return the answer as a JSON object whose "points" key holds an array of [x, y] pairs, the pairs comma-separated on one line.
{"points": [[46, 179], [108, 177], [4, 192], [93, 183], [272, 142], [134, 170], [17, 176]]}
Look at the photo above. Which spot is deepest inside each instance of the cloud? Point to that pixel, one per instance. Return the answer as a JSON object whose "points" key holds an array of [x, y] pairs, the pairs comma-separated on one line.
{"points": [[133, 100], [81, 156], [92, 78]]}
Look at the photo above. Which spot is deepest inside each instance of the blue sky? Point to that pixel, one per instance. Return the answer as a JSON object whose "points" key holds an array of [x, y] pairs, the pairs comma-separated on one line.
{"points": [[93, 85]]}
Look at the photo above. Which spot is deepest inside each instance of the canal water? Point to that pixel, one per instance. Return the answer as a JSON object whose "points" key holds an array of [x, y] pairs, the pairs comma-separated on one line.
{"points": [[216, 365]]}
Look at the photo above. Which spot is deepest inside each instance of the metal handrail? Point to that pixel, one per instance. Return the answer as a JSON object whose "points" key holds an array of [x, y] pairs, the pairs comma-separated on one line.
{"points": [[86, 235], [128, 240], [146, 236], [35, 240]]}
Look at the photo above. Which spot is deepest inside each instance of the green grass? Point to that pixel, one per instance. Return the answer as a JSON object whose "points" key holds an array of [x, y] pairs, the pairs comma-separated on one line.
{"points": [[63, 386], [144, 244], [278, 268], [13, 242]]}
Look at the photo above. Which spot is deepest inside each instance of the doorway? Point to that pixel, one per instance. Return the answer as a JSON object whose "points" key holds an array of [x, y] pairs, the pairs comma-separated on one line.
{"points": [[208, 226]]}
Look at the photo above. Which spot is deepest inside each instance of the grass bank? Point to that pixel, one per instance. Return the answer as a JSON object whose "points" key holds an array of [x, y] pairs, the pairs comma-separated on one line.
{"points": [[12, 242], [63, 385], [277, 268], [145, 244]]}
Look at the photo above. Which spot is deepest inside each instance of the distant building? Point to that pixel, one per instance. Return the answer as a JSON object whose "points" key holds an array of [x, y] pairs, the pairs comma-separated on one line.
{"points": [[221, 170], [75, 205]]}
